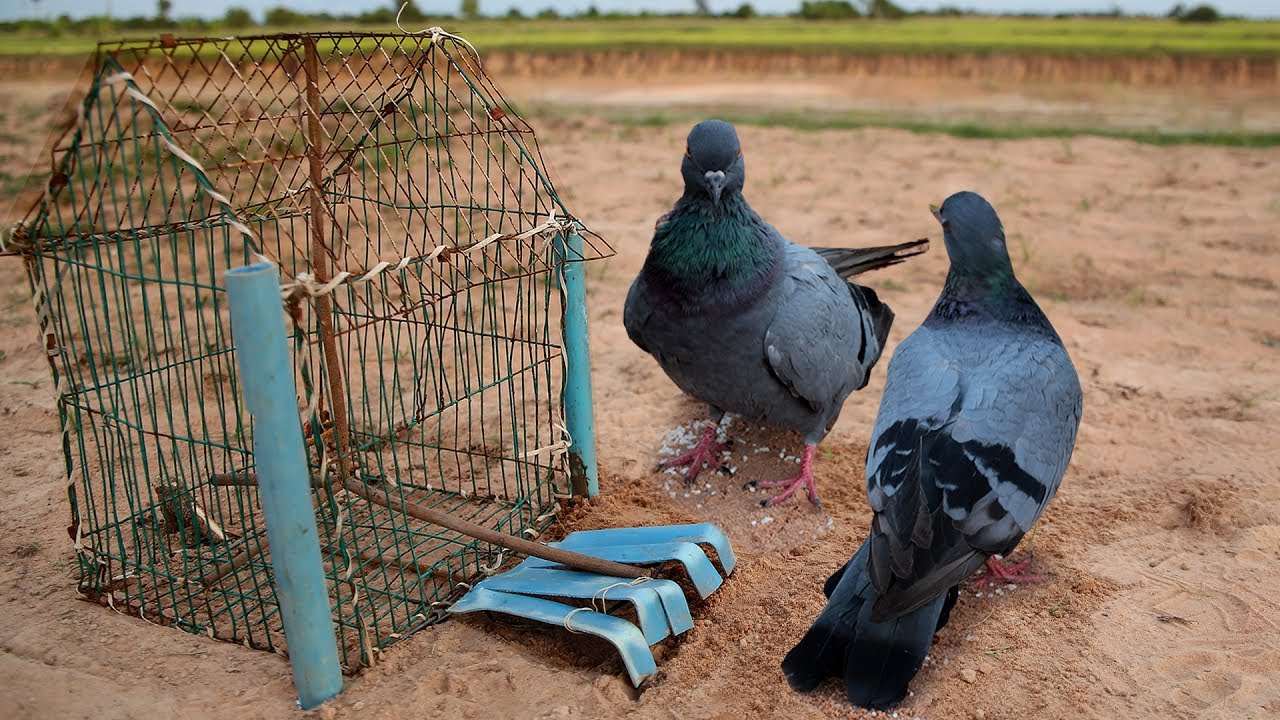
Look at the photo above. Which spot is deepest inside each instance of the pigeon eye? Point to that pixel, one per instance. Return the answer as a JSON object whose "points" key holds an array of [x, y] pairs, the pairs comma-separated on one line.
{"points": [[688, 153], [739, 152]]}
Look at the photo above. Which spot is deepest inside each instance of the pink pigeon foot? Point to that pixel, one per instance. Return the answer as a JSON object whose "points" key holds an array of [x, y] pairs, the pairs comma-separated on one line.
{"points": [[706, 452], [997, 572], [802, 480]]}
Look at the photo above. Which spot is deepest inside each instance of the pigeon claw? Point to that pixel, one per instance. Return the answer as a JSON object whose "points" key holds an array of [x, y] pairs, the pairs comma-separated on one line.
{"points": [[791, 485], [704, 454], [996, 572], [804, 479]]}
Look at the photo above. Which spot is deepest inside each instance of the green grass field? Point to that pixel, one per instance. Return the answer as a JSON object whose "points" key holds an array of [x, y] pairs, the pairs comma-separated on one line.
{"points": [[1075, 36], [851, 121]]}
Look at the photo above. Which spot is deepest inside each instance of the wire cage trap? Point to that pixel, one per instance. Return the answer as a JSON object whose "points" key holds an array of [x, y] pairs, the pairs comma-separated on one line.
{"points": [[421, 246]]}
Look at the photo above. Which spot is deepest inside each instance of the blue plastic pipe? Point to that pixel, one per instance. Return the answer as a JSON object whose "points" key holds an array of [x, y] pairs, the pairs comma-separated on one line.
{"points": [[576, 398], [262, 353]]}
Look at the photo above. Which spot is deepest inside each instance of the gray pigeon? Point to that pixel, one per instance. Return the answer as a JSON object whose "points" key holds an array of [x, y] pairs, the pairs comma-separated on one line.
{"points": [[976, 425], [748, 322]]}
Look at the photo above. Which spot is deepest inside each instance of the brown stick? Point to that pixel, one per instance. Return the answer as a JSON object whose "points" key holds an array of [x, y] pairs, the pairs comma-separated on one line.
{"points": [[246, 479], [222, 570], [578, 561]]}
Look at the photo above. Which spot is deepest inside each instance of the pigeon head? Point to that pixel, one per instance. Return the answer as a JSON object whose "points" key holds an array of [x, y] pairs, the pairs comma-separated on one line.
{"points": [[973, 233], [713, 165]]}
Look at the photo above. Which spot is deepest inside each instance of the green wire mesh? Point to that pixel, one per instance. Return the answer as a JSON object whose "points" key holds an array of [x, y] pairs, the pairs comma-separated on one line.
{"points": [[427, 246]]}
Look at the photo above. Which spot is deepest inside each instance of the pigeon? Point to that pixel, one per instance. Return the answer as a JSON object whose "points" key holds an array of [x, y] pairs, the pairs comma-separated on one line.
{"points": [[975, 429], [748, 322]]}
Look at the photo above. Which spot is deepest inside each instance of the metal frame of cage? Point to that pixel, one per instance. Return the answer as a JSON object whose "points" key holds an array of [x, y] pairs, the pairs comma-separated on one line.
{"points": [[428, 356]]}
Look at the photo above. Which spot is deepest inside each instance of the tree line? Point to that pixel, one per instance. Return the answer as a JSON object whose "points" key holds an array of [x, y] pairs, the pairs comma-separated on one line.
{"points": [[239, 18]]}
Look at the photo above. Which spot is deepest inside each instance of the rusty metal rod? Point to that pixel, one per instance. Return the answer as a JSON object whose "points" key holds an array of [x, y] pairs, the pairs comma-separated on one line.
{"points": [[320, 260]]}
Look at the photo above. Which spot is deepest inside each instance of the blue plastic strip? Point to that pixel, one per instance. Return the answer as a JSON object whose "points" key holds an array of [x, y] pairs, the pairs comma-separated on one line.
{"points": [[626, 637]]}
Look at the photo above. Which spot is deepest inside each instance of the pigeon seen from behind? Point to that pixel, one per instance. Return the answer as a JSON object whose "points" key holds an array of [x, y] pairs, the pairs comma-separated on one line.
{"points": [[749, 322], [976, 426]]}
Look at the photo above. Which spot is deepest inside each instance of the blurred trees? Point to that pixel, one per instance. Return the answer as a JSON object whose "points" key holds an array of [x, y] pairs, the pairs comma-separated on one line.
{"points": [[237, 18], [283, 17], [1199, 13], [827, 10]]}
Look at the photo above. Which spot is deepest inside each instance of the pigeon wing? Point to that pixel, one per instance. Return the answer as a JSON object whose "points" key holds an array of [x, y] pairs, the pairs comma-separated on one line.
{"points": [[815, 346], [636, 312], [965, 457]]}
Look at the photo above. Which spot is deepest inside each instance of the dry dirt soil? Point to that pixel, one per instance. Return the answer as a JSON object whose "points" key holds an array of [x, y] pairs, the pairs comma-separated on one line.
{"points": [[1160, 268]]}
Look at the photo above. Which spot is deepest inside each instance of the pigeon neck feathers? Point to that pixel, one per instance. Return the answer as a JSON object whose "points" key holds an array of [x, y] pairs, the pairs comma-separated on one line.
{"points": [[712, 252], [995, 297], [980, 285]]}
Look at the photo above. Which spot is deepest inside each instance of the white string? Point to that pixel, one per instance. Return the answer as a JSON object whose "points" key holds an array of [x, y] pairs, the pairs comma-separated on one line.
{"points": [[600, 595], [557, 449], [130, 88], [305, 284], [493, 569], [570, 615], [15, 236], [436, 32]]}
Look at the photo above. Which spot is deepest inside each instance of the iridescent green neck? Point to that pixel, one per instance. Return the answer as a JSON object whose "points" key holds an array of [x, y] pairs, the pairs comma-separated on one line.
{"points": [[993, 295], [699, 244]]}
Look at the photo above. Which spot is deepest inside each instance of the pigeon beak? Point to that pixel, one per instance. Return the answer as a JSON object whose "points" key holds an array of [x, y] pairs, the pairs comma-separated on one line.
{"points": [[937, 213], [715, 184]]}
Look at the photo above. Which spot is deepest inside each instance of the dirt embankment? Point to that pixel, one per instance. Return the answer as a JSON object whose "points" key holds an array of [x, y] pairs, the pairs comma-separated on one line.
{"points": [[1161, 70]]}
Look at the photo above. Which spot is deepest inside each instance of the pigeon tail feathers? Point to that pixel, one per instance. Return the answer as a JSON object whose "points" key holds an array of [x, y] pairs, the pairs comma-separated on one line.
{"points": [[851, 262], [874, 661]]}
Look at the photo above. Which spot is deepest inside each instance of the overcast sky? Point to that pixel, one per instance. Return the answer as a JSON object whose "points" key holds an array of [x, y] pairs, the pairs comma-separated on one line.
{"points": [[12, 9]]}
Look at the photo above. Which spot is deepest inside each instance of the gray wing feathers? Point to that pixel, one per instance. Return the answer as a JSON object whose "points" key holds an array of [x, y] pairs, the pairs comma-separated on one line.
{"points": [[1029, 401], [995, 416], [807, 345]]}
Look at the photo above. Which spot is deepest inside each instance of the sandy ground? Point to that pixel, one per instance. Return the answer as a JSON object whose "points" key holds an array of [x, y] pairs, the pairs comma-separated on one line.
{"points": [[1159, 266]]}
